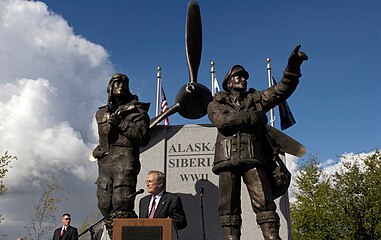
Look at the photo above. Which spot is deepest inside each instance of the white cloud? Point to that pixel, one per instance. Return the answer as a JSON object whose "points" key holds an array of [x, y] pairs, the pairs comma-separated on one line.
{"points": [[50, 83], [351, 158], [329, 168], [292, 166]]}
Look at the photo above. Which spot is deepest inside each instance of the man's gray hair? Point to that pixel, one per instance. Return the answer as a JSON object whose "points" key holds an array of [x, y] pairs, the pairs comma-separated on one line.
{"points": [[160, 176]]}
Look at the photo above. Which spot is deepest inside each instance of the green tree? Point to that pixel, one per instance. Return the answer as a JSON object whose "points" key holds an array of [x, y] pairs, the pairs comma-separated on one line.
{"points": [[44, 221], [90, 220], [345, 206], [4, 162], [359, 195], [4, 165], [309, 216]]}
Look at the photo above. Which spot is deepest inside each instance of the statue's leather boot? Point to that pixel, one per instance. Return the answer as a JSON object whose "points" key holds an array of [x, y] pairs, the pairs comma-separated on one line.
{"points": [[269, 223], [232, 233]]}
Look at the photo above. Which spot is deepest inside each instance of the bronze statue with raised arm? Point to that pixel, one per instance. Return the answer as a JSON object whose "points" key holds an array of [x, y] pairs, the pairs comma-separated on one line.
{"points": [[243, 148]]}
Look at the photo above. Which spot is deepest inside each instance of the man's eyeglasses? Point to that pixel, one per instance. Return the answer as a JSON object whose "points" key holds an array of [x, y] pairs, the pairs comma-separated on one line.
{"points": [[67, 219]]}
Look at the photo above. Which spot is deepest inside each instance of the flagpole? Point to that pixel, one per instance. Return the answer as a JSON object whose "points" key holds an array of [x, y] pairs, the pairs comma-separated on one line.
{"points": [[213, 77], [158, 107], [281, 155], [272, 117]]}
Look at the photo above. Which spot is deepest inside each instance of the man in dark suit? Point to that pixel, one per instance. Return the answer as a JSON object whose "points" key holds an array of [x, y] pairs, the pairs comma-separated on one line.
{"points": [[160, 203], [66, 232]]}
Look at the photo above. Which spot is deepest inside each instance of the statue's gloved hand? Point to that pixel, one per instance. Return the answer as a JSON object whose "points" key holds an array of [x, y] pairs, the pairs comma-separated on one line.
{"points": [[136, 117], [114, 120], [295, 61], [243, 116], [280, 177], [258, 117], [98, 153]]}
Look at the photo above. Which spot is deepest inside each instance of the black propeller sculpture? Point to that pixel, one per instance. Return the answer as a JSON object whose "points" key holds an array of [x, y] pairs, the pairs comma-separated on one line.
{"points": [[192, 99]]}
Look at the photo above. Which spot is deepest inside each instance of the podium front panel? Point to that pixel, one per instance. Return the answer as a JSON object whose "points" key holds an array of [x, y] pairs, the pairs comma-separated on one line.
{"points": [[144, 229], [142, 233]]}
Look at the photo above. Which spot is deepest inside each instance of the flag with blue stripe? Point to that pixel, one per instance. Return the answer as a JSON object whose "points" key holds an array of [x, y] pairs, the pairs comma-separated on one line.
{"points": [[216, 86], [286, 117]]}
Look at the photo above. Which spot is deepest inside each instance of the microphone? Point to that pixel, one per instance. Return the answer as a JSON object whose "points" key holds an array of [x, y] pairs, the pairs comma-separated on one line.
{"points": [[132, 195], [201, 191]]}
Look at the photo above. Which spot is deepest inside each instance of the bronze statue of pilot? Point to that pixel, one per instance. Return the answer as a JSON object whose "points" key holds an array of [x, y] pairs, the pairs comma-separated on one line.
{"points": [[123, 126], [243, 149]]}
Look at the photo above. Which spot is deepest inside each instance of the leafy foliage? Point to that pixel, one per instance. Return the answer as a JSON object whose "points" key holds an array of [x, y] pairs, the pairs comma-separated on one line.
{"points": [[43, 222], [360, 198], [89, 221], [346, 205], [4, 162], [309, 216]]}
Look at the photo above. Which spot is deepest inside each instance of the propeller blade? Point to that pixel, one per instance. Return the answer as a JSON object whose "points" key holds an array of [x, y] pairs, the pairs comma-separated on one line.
{"points": [[193, 39], [287, 144], [172, 110]]}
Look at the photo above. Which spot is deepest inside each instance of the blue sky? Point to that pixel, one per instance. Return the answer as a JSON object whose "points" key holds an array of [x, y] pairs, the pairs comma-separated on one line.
{"points": [[56, 58], [336, 102]]}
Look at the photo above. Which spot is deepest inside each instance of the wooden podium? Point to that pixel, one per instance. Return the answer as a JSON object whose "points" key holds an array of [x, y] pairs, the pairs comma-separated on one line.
{"points": [[144, 229]]}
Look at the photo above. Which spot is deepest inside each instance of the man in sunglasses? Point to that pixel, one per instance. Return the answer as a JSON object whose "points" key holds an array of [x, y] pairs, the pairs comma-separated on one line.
{"points": [[66, 232]]}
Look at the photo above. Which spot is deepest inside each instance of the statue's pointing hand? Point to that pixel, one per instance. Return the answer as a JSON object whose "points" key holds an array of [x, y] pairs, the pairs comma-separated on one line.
{"points": [[295, 61]]}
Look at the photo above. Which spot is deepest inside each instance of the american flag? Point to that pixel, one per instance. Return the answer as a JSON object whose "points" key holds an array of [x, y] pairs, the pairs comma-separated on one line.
{"points": [[164, 105]]}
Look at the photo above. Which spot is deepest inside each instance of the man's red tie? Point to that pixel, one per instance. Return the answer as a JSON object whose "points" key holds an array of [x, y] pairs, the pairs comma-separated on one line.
{"points": [[153, 208], [62, 232]]}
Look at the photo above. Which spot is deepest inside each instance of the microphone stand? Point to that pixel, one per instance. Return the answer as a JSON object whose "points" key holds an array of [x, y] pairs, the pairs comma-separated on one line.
{"points": [[202, 213], [91, 228]]}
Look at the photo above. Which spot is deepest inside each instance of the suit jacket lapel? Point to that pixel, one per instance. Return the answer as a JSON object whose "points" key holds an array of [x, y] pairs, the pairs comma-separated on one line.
{"points": [[161, 204], [145, 203], [57, 234]]}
